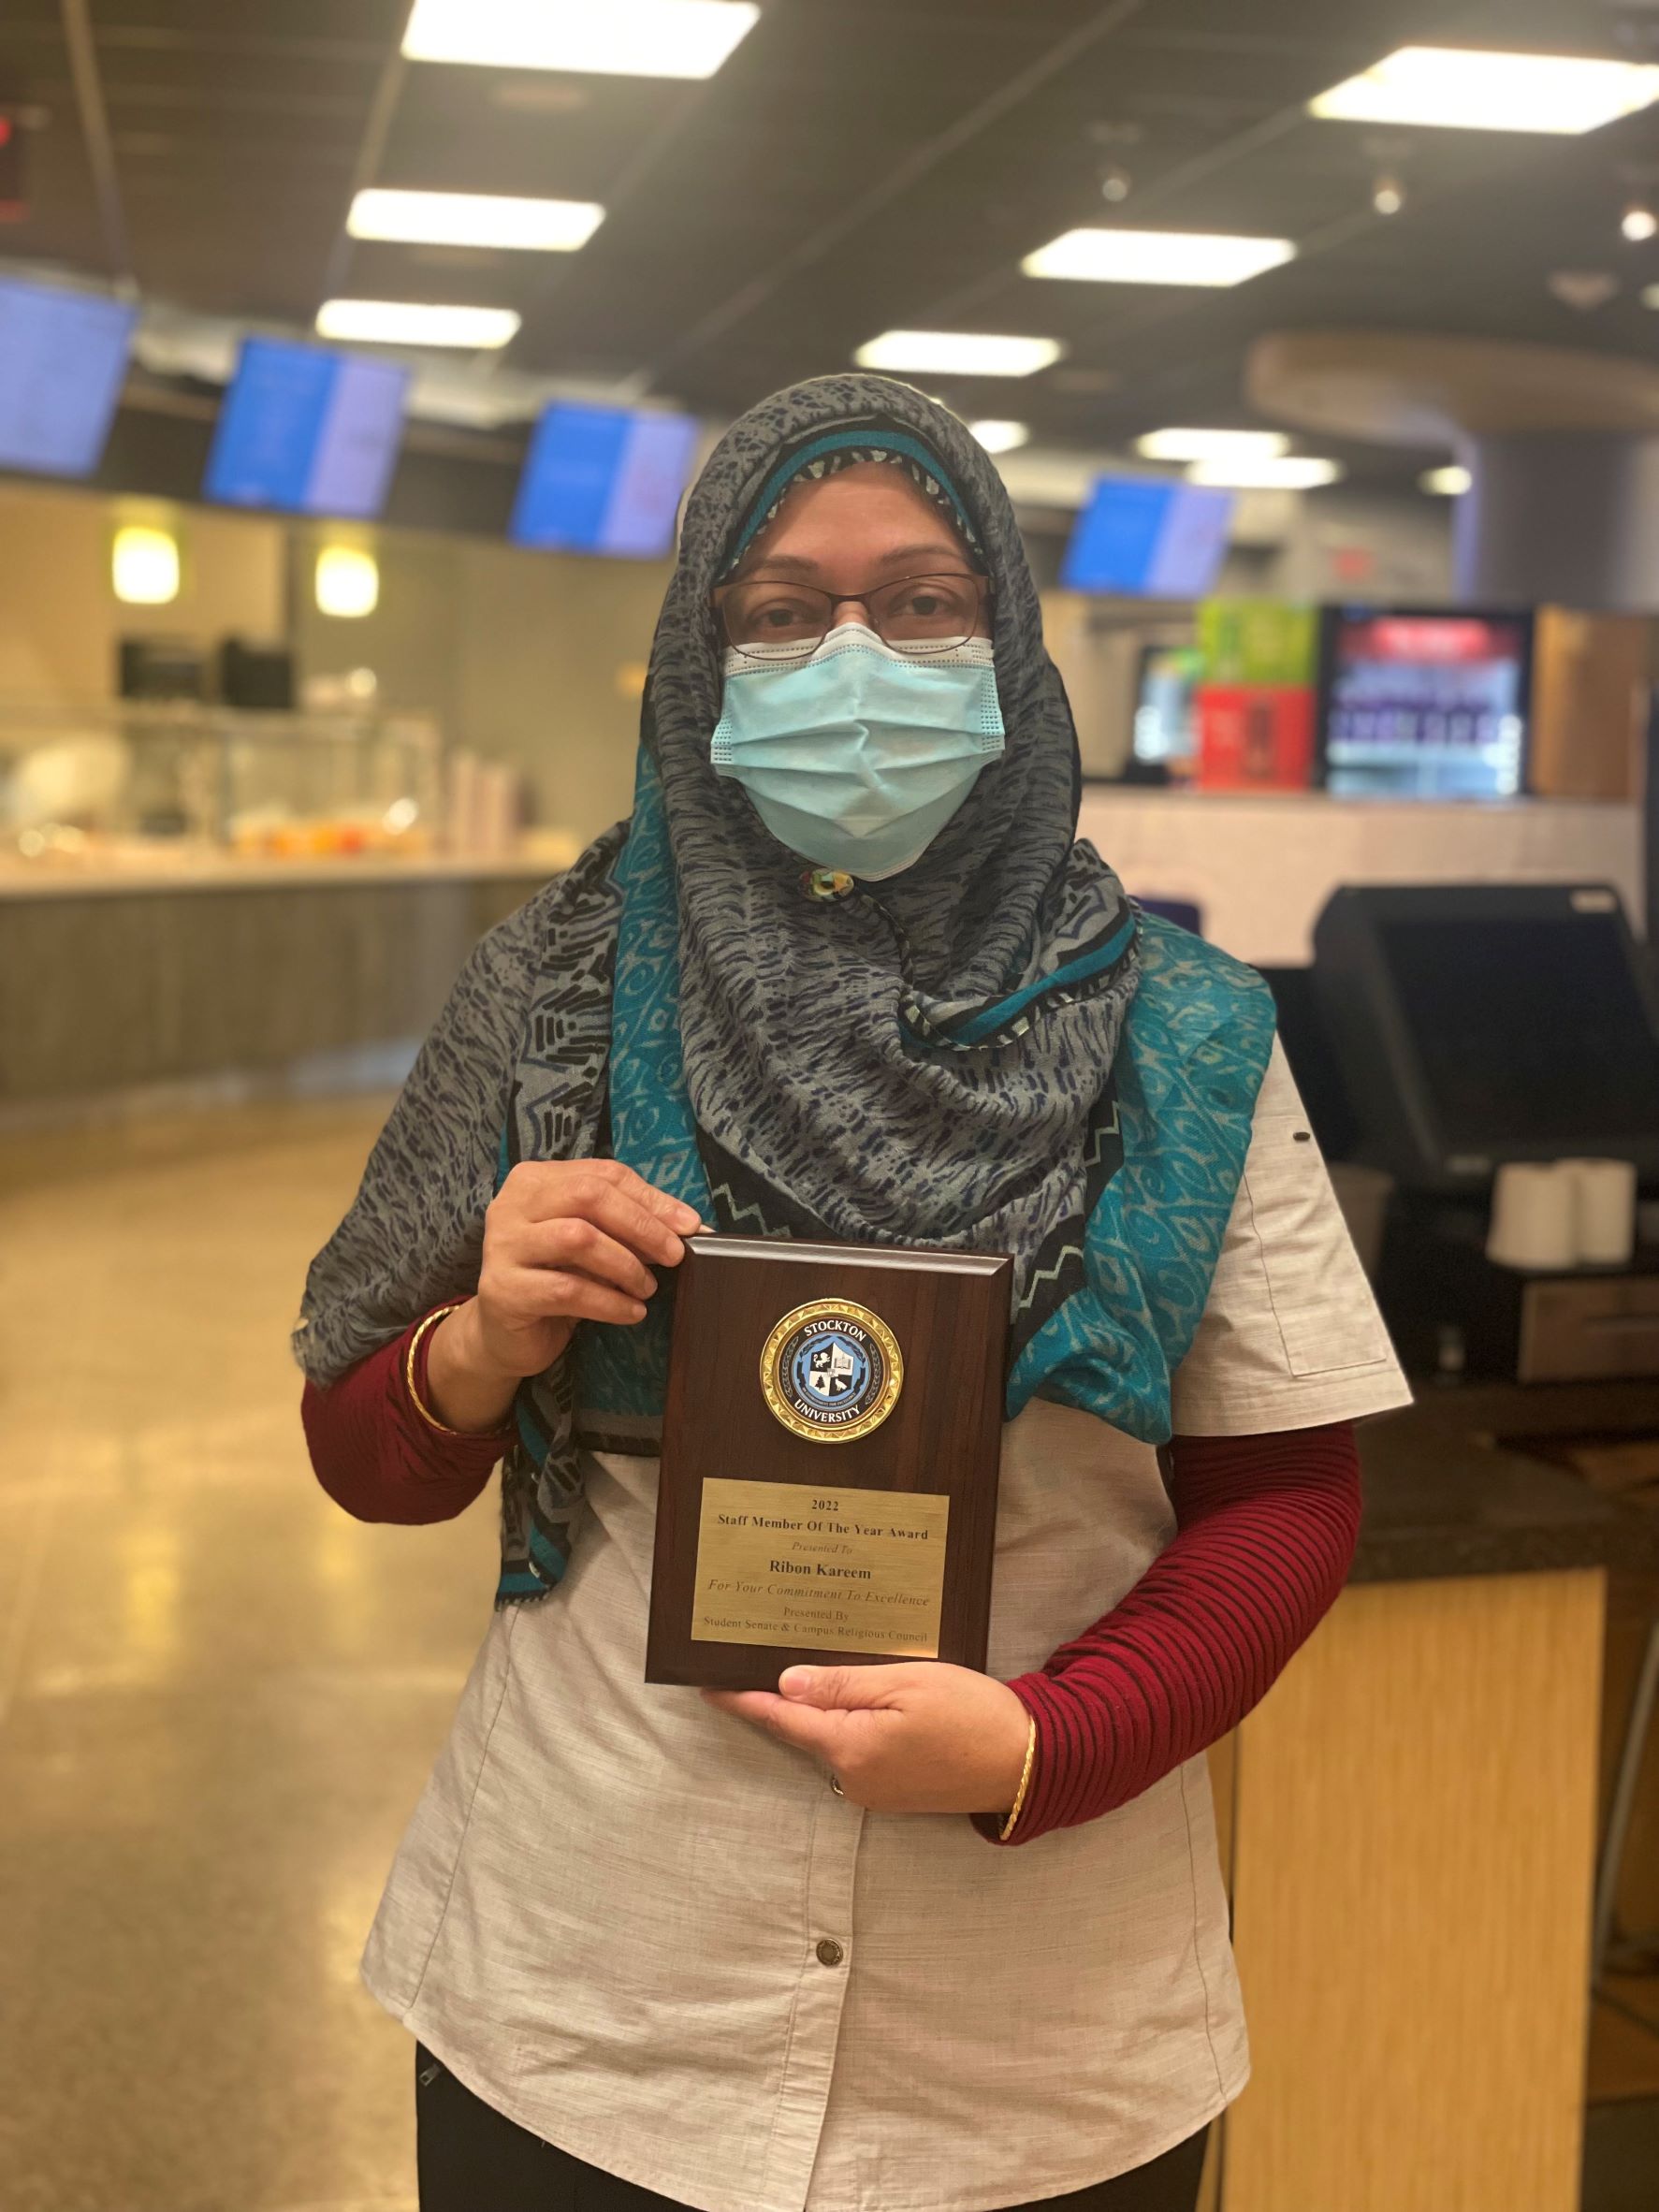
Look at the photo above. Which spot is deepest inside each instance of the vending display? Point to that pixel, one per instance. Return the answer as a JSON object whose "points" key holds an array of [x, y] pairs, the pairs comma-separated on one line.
{"points": [[1424, 703], [1256, 736]]}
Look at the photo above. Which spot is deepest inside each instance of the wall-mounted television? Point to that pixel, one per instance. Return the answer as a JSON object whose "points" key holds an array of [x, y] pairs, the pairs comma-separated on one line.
{"points": [[603, 480], [1430, 703], [62, 361], [308, 430], [1146, 537]]}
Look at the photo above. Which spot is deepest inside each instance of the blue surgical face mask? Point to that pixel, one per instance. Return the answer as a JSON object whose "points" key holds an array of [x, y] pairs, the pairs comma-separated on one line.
{"points": [[857, 757]]}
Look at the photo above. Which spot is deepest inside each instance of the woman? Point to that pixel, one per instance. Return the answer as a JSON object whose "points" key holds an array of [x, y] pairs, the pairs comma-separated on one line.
{"points": [[898, 1938]]}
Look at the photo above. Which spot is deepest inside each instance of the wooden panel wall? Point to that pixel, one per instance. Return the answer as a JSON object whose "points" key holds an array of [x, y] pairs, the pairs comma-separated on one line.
{"points": [[1413, 1844], [126, 990]]}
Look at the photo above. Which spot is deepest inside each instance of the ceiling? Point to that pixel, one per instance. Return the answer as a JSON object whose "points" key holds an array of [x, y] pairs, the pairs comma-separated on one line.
{"points": [[856, 165]]}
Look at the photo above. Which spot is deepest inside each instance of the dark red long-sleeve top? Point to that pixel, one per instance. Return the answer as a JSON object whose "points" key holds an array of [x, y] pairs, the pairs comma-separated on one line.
{"points": [[1265, 1529]]}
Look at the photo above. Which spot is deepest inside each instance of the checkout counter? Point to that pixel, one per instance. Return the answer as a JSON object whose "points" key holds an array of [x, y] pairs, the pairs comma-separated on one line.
{"points": [[1409, 1820]]}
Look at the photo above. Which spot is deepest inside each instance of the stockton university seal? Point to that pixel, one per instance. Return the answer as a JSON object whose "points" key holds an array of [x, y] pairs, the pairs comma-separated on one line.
{"points": [[832, 1371]]}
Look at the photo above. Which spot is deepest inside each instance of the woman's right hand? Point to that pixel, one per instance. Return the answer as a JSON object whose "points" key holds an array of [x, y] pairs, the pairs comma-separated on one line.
{"points": [[565, 1241]]}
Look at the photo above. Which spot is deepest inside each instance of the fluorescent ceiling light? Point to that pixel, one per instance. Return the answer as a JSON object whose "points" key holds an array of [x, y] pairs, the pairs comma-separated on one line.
{"points": [[1194, 445], [1001, 437], [957, 353], [415, 322], [1456, 88], [474, 219], [1156, 257], [1289, 471], [599, 37], [1449, 483]]}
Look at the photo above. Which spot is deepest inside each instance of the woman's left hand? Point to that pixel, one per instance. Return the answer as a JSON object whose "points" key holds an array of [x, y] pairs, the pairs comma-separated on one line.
{"points": [[918, 1737]]}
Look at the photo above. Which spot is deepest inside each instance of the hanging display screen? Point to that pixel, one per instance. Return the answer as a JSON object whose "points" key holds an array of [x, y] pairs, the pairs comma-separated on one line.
{"points": [[1147, 538], [603, 480], [308, 430], [62, 361]]}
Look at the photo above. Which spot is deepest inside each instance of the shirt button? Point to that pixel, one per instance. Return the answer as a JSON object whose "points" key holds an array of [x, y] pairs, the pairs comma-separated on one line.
{"points": [[829, 1952]]}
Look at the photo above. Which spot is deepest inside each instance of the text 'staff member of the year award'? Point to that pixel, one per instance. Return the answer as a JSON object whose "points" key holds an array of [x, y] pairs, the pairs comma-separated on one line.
{"points": [[830, 1451]]}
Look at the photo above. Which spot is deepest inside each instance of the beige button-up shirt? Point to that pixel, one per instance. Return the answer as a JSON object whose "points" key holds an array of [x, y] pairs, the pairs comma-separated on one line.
{"points": [[658, 1939]]}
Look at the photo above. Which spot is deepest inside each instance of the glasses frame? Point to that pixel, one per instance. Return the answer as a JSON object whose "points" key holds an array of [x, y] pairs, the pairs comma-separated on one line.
{"points": [[913, 649]]}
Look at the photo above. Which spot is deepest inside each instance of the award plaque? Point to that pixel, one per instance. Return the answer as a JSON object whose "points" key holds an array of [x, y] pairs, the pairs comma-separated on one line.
{"points": [[830, 1450]]}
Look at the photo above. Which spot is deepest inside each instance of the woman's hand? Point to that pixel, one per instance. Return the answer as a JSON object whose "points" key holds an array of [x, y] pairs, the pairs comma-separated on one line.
{"points": [[918, 1737], [565, 1241]]}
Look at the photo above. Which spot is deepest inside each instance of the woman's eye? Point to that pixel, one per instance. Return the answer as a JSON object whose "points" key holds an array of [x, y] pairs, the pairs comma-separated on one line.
{"points": [[931, 606]]}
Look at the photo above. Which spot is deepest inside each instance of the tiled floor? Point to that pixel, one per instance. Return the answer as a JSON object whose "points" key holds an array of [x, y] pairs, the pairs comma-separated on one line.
{"points": [[218, 1697]]}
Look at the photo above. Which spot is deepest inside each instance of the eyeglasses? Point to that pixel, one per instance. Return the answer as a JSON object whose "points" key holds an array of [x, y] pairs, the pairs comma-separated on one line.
{"points": [[915, 615]]}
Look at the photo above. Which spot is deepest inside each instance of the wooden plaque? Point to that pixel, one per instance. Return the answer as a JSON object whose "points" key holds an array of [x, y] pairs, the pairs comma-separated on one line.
{"points": [[830, 1451]]}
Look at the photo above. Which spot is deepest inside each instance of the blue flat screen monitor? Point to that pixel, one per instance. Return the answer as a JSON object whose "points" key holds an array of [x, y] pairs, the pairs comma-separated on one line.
{"points": [[62, 361], [1146, 538], [1424, 703], [603, 480], [307, 430]]}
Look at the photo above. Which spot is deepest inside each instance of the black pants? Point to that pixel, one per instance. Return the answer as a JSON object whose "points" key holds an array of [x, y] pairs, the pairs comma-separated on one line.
{"points": [[474, 2159]]}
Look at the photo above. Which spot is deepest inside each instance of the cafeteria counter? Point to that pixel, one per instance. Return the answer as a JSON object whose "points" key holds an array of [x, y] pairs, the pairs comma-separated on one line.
{"points": [[221, 975], [1408, 1825]]}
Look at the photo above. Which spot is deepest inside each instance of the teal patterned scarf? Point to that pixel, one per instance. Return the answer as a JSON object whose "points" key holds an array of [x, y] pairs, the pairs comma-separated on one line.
{"points": [[994, 1050]]}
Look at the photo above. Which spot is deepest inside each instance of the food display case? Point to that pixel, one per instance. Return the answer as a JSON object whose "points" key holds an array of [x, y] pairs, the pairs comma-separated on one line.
{"points": [[196, 896], [119, 783]]}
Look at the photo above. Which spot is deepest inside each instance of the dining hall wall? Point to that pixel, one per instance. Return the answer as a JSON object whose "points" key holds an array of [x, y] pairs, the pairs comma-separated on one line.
{"points": [[531, 659], [59, 618], [534, 658]]}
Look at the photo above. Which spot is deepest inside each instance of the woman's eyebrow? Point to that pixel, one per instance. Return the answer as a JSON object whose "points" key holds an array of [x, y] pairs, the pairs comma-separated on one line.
{"points": [[793, 565]]}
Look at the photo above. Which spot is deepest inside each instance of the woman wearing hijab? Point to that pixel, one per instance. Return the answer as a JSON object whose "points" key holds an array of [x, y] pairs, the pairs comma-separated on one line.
{"points": [[894, 1938]]}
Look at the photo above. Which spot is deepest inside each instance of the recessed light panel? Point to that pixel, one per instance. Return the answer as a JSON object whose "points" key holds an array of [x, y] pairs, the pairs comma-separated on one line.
{"points": [[473, 219], [1193, 445], [1449, 483], [1156, 257], [957, 353], [1001, 437], [1289, 471], [1457, 88], [599, 37], [415, 322]]}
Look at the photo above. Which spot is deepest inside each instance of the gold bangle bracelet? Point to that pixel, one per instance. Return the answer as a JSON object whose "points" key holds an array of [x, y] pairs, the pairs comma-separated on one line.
{"points": [[415, 1398], [1007, 1829]]}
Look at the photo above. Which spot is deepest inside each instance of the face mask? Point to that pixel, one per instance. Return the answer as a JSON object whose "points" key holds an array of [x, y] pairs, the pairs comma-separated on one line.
{"points": [[858, 757]]}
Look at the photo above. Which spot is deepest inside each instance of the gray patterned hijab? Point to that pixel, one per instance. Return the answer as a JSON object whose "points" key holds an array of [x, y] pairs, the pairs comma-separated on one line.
{"points": [[928, 1059], [916, 1062]]}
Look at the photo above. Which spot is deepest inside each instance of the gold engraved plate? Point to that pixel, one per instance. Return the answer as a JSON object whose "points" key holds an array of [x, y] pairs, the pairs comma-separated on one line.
{"points": [[832, 1371], [821, 1566]]}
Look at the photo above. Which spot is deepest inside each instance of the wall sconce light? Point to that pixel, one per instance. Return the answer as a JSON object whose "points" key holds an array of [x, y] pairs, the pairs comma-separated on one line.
{"points": [[144, 565], [348, 582]]}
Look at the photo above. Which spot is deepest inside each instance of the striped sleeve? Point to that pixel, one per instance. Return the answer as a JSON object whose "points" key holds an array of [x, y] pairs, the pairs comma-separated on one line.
{"points": [[1266, 1527]]}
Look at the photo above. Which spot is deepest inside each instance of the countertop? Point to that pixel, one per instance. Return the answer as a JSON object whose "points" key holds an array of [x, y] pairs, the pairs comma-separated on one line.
{"points": [[1445, 1497], [226, 871]]}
